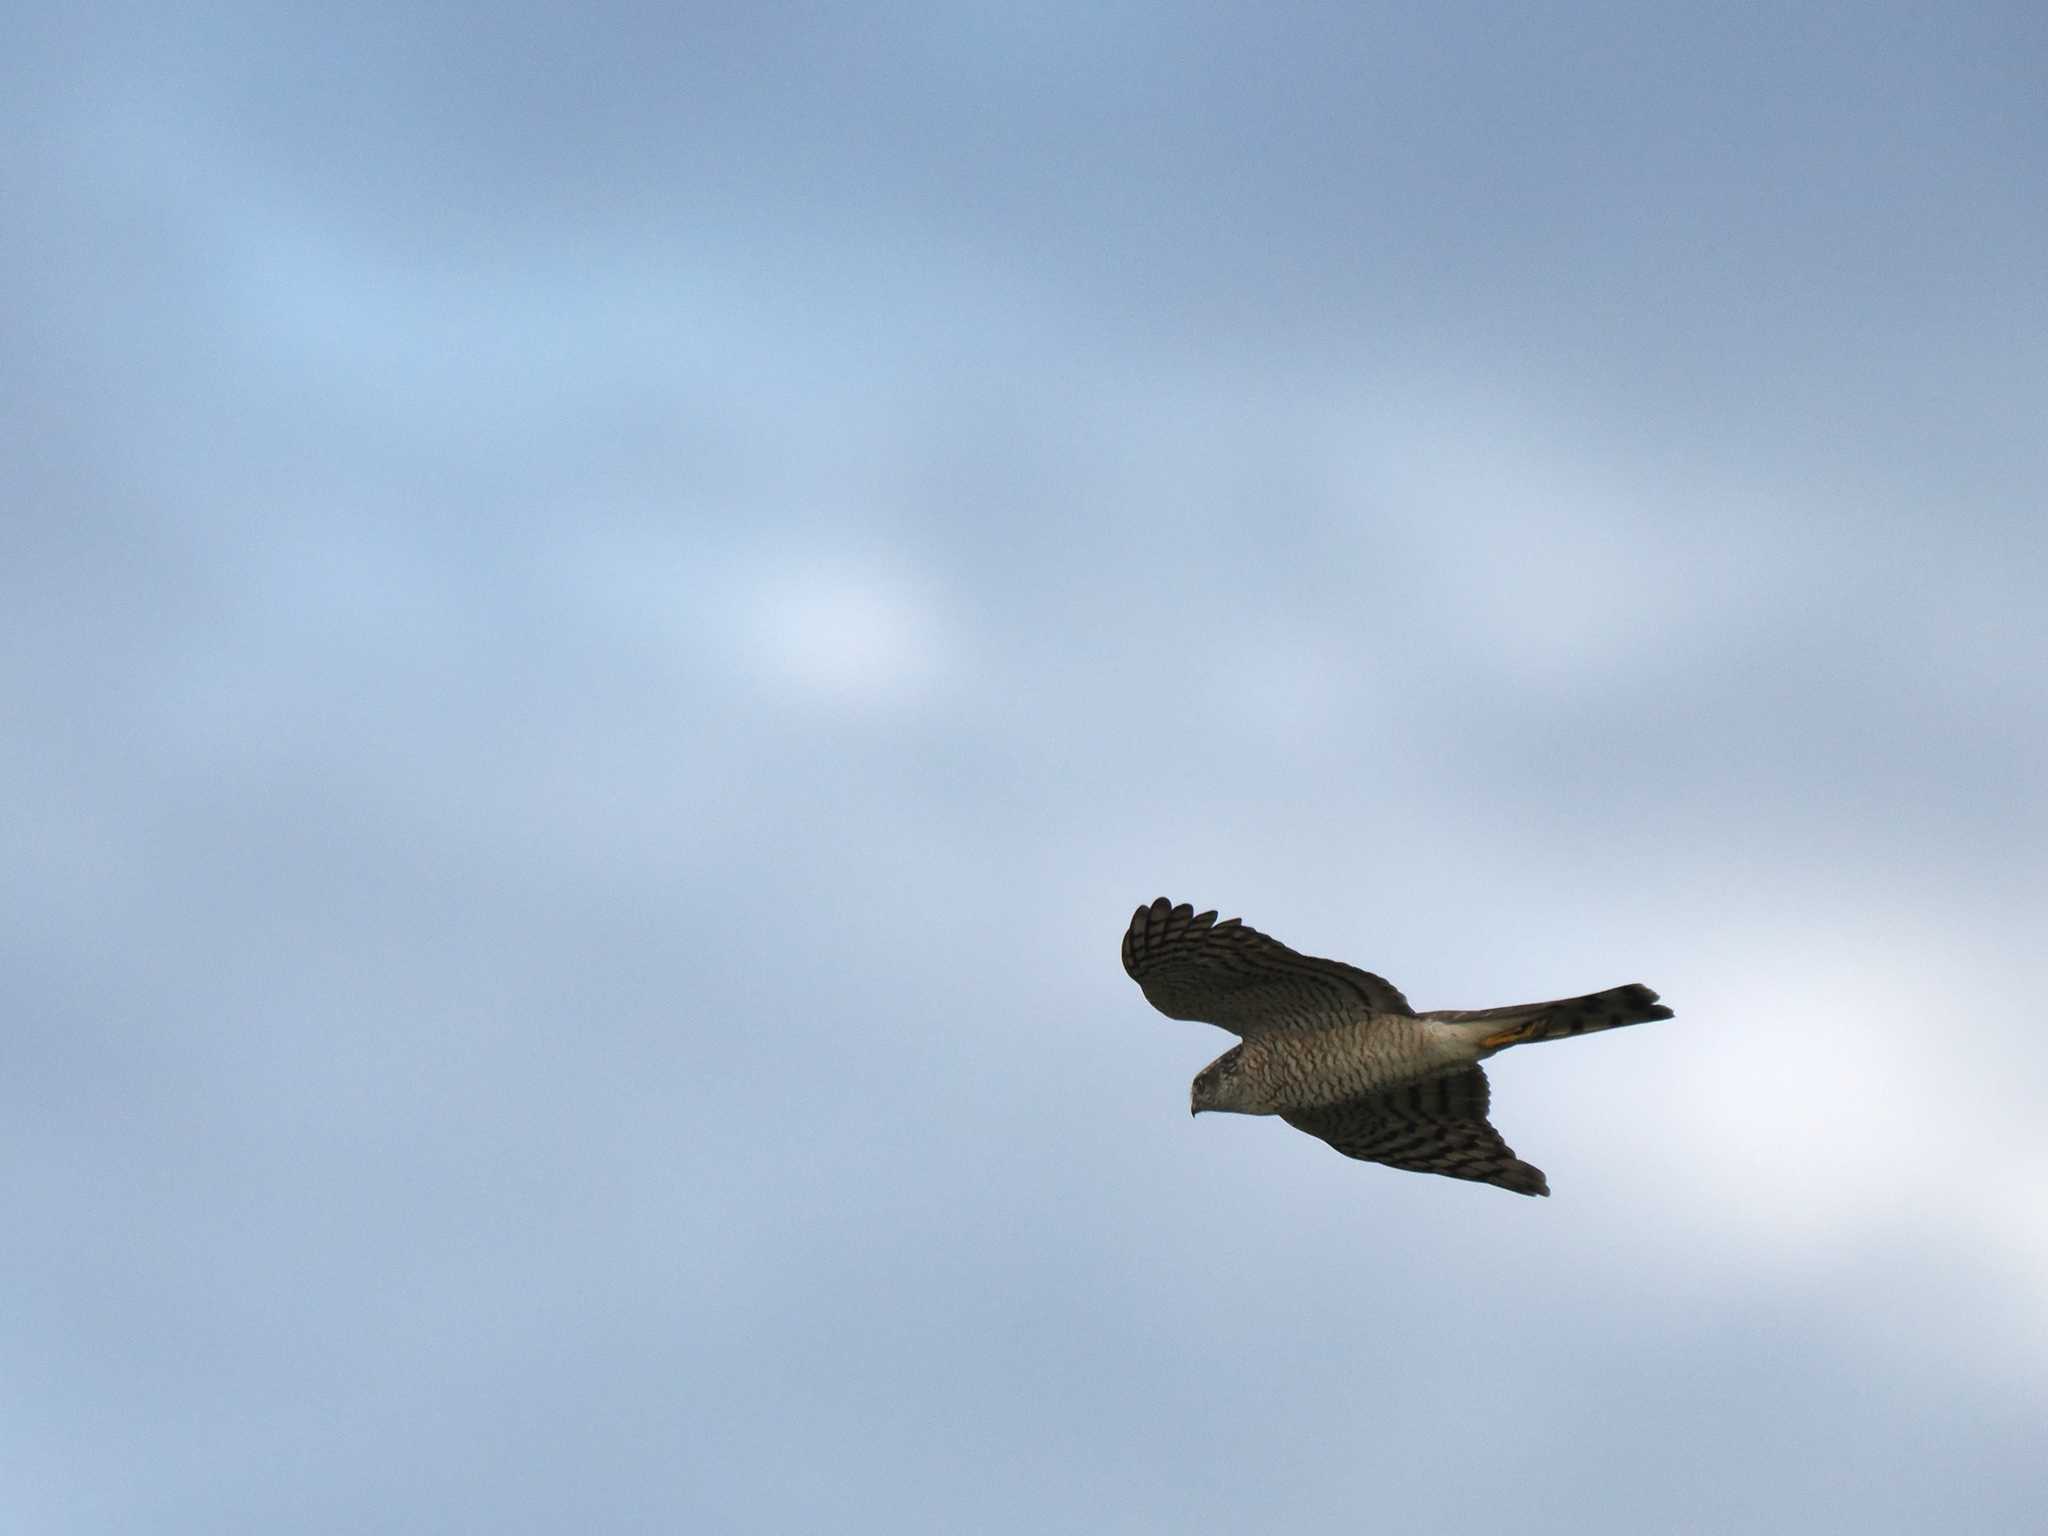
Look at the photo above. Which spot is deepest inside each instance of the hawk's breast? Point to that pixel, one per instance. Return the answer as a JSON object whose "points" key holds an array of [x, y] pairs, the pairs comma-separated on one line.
{"points": [[1308, 1068]]}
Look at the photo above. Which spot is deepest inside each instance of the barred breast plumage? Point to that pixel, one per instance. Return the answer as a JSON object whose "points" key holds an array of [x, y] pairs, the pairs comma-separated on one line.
{"points": [[1310, 1068]]}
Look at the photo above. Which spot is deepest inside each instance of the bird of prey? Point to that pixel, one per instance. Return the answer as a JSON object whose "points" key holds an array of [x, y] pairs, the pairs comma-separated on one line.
{"points": [[1337, 1052]]}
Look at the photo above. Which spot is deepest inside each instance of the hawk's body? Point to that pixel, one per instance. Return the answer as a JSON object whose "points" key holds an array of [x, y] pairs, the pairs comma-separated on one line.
{"points": [[1337, 1052]]}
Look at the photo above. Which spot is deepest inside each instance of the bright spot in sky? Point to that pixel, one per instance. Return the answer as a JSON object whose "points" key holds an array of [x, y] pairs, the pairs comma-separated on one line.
{"points": [[845, 632]]}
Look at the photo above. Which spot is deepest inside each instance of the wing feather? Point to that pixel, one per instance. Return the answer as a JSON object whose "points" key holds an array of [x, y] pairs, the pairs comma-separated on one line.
{"points": [[1192, 967], [1438, 1125]]}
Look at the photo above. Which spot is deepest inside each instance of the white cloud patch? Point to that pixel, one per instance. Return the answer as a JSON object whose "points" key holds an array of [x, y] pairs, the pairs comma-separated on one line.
{"points": [[822, 627], [1837, 1095], [851, 632]]}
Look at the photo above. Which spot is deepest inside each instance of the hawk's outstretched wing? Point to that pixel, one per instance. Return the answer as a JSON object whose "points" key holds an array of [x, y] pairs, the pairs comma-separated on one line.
{"points": [[1193, 967], [1438, 1125]]}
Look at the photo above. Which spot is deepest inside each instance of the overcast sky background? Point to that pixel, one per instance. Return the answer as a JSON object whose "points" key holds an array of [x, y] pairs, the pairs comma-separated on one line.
{"points": [[607, 610]]}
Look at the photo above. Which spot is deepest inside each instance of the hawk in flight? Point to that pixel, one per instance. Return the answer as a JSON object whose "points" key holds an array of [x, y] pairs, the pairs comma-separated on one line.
{"points": [[1337, 1052]]}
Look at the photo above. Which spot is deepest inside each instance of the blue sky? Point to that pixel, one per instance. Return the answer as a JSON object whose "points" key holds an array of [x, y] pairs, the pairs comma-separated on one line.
{"points": [[606, 614]]}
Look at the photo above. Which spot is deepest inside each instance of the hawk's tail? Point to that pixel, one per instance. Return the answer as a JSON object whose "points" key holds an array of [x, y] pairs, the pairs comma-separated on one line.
{"points": [[1495, 1029]]}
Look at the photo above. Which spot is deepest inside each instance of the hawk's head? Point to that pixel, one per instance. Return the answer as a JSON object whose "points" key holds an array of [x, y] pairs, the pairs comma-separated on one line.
{"points": [[1221, 1085]]}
